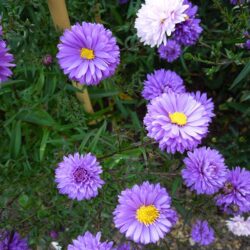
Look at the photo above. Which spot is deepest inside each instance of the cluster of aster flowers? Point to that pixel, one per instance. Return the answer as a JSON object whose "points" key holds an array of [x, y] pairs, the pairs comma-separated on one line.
{"points": [[6, 59], [168, 25], [176, 119]]}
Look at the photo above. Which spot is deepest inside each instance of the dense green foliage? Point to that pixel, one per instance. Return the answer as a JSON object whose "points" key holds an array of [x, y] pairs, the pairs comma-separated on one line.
{"points": [[42, 120]]}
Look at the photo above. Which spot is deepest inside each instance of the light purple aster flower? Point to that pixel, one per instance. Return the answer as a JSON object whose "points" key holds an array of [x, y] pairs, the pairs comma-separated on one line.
{"points": [[88, 53], [6, 60], [78, 176], [188, 32], [12, 241], [171, 51], [235, 197], [247, 44], [162, 81], [205, 171], [206, 102], [144, 213], [202, 233], [125, 246], [235, 2], [89, 242], [177, 121]]}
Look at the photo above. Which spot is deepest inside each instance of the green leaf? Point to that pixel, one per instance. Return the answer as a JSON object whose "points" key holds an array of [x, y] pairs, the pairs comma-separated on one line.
{"points": [[23, 200], [243, 74], [93, 144], [16, 139], [37, 116], [43, 144]]}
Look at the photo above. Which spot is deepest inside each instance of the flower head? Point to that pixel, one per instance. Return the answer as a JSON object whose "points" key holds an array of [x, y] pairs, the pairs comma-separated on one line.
{"points": [[177, 121], [162, 81], [12, 241], [235, 2], [170, 51], [188, 32], [125, 246], [6, 60], [205, 171], [202, 233], [157, 19], [144, 213], [78, 176], [47, 60], [1, 28], [239, 226], [247, 44], [88, 53], [235, 197], [206, 102], [89, 242]]}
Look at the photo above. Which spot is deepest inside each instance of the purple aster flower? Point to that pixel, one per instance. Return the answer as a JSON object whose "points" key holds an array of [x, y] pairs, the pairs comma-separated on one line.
{"points": [[235, 2], [205, 171], [89, 241], [177, 121], [12, 241], [123, 1], [88, 53], [6, 60], [78, 176], [206, 102], [54, 234], [171, 51], [247, 44], [47, 60], [202, 233], [188, 32], [144, 213], [125, 246], [162, 81], [235, 197]]}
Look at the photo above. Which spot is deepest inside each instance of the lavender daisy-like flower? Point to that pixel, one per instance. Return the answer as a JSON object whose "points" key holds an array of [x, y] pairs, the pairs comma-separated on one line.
{"points": [[235, 2], [89, 241], [202, 233], [205, 171], [144, 213], [6, 60], [188, 32], [78, 176], [170, 51], [247, 44], [125, 246], [157, 19], [162, 81], [235, 197], [239, 226], [177, 121], [12, 241], [88, 53], [206, 102], [123, 1]]}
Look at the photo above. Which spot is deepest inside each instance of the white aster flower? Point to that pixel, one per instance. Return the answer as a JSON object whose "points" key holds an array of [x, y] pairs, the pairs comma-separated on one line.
{"points": [[157, 19], [239, 226]]}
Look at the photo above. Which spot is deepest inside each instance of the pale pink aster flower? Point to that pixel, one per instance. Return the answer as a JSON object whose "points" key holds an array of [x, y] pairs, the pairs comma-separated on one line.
{"points": [[239, 226], [157, 19]]}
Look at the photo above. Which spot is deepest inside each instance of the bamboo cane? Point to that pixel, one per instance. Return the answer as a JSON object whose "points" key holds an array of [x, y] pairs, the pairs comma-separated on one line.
{"points": [[59, 13]]}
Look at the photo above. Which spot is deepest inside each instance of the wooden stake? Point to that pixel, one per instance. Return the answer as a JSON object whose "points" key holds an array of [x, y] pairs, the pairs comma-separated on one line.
{"points": [[59, 13]]}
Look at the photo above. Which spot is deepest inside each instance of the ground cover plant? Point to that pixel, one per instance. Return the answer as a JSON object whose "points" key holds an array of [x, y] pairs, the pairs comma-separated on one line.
{"points": [[162, 163]]}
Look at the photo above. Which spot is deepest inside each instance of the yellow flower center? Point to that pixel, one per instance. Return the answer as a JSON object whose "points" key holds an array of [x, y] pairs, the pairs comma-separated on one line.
{"points": [[178, 118], [147, 214], [87, 54]]}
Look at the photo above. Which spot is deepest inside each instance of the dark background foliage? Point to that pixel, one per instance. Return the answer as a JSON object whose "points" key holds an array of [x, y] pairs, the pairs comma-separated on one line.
{"points": [[42, 120]]}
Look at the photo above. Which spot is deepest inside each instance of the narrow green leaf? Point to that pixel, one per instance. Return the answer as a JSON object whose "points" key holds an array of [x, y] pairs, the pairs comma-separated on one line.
{"points": [[16, 138], [93, 144], [243, 74], [43, 144]]}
